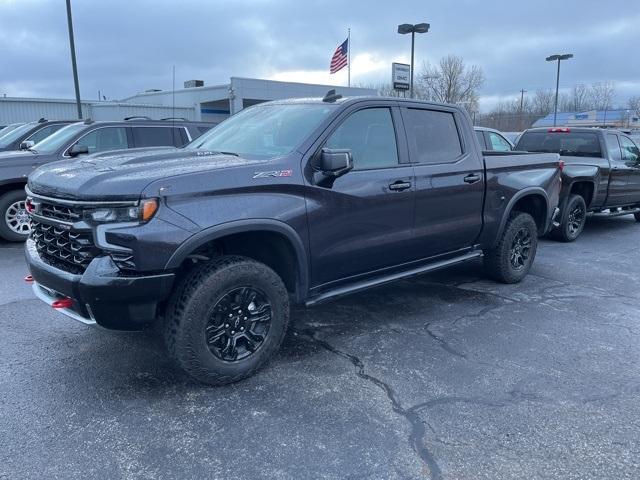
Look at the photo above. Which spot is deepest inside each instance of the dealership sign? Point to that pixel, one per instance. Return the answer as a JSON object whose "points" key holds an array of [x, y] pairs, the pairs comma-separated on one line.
{"points": [[400, 73]]}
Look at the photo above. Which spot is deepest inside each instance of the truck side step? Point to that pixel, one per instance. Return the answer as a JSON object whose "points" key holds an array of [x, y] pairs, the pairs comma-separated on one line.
{"points": [[617, 212], [374, 282]]}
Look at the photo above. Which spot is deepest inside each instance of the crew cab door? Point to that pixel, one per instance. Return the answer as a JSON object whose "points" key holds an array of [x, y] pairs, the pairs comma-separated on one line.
{"points": [[362, 220], [621, 172], [449, 180], [631, 158]]}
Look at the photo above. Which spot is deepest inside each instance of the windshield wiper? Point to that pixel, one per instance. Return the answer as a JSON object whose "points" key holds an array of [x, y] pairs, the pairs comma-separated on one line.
{"points": [[233, 154]]}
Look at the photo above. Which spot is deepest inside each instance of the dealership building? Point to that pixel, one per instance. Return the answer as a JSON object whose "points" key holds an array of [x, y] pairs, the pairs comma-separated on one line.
{"points": [[196, 101]]}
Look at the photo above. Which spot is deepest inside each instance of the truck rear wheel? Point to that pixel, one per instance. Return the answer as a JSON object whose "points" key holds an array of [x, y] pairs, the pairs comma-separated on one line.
{"points": [[574, 218], [14, 219], [226, 318], [511, 259]]}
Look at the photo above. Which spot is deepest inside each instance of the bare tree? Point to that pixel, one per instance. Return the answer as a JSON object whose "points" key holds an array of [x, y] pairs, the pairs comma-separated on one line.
{"points": [[602, 94], [543, 102], [581, 98], [634, 105], [451, 81]]}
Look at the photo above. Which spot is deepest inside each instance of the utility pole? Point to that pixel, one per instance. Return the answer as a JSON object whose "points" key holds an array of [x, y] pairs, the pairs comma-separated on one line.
{"points": [[522, 92], [72, 45]]}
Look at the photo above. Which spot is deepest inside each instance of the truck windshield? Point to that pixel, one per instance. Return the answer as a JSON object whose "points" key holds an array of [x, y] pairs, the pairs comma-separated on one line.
{"points": [[265, 131], [13, 135], [568, 144], [53, 142]]}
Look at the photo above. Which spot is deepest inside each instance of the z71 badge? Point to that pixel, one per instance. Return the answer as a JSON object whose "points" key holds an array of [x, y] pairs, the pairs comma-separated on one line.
{"points": [[274, 173]]}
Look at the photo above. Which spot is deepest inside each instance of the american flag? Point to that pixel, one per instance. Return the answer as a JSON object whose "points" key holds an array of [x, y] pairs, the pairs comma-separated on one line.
{"points": [[340, 58]]}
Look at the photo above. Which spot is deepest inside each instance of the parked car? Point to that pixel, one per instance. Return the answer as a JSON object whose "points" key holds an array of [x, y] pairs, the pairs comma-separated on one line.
{"points": [[79, 139], [300, 200], [32, 132], [7, 128], [493, 140], [602, 173]]}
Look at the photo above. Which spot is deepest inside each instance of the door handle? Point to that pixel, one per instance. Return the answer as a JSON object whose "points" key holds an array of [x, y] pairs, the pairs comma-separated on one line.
{"points": [[399, 186], [472, 178]]}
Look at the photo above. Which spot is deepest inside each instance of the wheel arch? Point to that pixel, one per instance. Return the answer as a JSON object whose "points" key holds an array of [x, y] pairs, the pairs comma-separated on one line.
{"points": [[532, 200], [261, 239]]}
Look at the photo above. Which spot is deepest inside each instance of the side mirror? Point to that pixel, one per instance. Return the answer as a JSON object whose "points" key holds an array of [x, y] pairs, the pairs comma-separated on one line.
{"points": [[27, 144], [335, 162], [78, 150]]}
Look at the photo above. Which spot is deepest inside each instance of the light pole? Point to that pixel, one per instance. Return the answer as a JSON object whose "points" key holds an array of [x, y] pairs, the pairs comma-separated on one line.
{"points": [[412, 29], [558, 58], [72, 46]]}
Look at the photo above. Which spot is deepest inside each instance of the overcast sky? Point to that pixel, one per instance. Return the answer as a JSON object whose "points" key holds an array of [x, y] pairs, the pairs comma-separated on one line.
{"points": [[127, 46]]}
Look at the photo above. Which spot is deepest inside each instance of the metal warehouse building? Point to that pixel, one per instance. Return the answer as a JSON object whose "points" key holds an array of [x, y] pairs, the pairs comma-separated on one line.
{"points": [[206, 103]]}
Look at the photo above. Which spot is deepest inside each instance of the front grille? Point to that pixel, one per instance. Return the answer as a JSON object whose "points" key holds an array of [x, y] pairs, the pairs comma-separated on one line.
{"points": [[61, 246]]}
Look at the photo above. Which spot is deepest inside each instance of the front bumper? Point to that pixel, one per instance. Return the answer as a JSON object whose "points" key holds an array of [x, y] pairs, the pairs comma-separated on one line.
{"points": [[99, 295]]}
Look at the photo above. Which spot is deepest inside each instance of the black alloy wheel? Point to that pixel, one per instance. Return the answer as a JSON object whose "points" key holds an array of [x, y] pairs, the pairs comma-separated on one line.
{"points": [[520, 249], [238, 324]]}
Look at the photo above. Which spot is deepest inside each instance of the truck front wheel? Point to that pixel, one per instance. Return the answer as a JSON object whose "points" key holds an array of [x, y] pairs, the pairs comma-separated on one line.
{"points": [[511, 259], [226, 318], [14, 219]]}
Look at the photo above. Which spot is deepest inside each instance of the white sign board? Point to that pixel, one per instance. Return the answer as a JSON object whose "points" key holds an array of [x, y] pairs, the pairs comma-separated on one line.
{"points": [[400, 76]]}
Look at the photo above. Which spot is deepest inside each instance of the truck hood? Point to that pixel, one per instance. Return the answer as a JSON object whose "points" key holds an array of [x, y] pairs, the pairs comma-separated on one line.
{"points": [[125, 174]]}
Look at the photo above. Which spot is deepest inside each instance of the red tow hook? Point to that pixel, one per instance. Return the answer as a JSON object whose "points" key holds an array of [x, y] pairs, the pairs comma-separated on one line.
{"points": [[63, 303], [28, 279]]}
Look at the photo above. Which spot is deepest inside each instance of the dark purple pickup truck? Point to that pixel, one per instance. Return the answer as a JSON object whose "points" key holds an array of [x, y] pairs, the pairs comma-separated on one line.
{"points": [[288, 201]]}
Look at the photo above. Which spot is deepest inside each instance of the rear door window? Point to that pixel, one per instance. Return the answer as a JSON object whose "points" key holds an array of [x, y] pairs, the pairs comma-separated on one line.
{"points": [[613, 147], [157, 137], [570, 144], [105, 138], [433, 136]]}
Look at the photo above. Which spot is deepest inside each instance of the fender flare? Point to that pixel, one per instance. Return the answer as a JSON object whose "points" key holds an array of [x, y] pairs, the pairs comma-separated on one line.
{"points": [[242, 226], [509, 208], [568, 180]]}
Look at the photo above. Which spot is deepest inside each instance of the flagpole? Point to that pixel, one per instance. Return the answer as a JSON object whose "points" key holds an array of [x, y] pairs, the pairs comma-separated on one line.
{"points": [[349, 58]]}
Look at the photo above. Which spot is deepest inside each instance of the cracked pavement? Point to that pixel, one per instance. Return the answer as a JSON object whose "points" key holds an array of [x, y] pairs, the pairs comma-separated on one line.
{"points": [[444, 376]]}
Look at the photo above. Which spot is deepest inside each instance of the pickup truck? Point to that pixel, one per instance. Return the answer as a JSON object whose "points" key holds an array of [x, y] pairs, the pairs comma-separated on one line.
{"points": [[602, 173], [287, 201], [73, 141]]}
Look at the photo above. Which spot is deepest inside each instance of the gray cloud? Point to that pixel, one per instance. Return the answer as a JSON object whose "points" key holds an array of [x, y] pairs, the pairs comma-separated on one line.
{"points": [[128, 46]]}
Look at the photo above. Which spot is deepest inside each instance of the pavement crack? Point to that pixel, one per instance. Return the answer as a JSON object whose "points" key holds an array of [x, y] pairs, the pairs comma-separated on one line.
{"points": [[418, 431], [443, 343]]}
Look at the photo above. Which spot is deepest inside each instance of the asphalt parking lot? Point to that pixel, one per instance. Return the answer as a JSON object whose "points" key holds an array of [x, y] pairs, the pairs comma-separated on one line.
{"points": [[443, 376]]}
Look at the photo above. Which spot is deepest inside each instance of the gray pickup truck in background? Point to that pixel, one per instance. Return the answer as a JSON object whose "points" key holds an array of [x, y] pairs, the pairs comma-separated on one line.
{"points": [[601, 175], [288, 201]]}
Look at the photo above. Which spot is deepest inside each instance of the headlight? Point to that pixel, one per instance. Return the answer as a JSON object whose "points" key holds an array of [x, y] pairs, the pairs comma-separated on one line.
{"points": [[139, 213]]}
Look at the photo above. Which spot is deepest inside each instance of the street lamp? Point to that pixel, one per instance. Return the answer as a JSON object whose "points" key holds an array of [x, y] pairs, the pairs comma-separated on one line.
{"points": [[558, 58], [412, 29]]}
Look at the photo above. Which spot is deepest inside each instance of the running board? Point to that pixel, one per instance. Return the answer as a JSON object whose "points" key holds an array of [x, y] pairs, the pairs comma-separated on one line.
{"points": [[617, 213], [365, 284]]}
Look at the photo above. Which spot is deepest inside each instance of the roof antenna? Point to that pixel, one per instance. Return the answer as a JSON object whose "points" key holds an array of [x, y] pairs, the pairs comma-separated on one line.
{"points": [[331, 96]]}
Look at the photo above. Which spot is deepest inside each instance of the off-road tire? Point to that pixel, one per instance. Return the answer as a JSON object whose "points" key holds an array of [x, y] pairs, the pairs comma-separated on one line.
{"points": [[189, 309], [565, 232], [6, 201], [497, 261]]}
